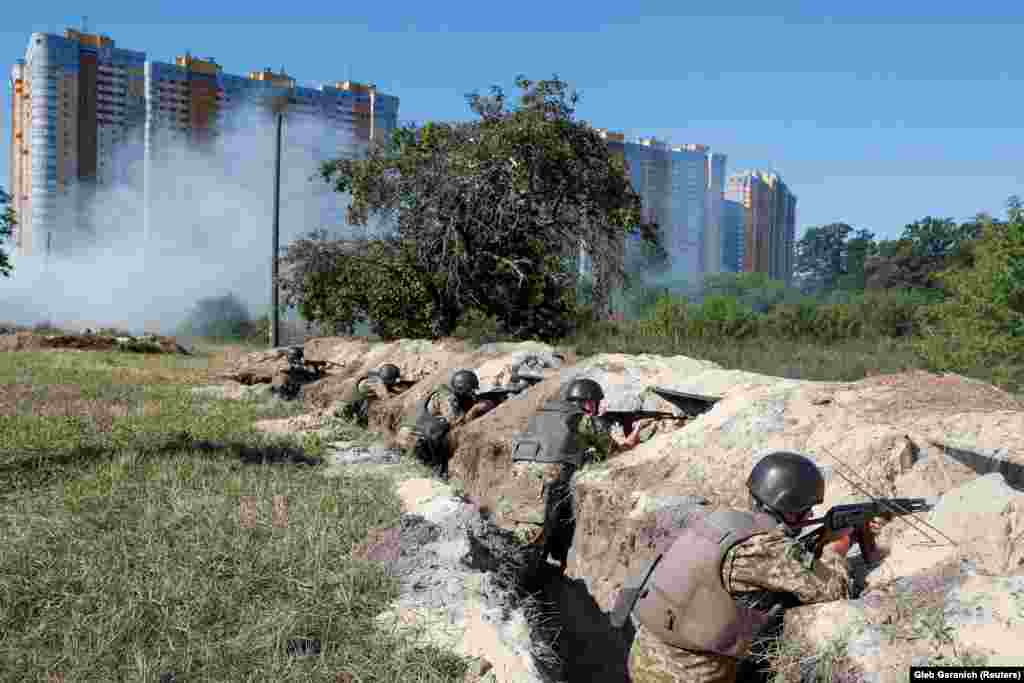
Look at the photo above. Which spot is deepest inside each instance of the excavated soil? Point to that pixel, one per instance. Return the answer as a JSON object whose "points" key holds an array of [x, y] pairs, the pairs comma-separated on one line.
{"points": [[895, 435], [29, 341]]}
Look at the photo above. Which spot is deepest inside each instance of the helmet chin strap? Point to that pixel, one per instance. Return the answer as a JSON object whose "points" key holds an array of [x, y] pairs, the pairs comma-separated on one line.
{"points": [[787, 528]]}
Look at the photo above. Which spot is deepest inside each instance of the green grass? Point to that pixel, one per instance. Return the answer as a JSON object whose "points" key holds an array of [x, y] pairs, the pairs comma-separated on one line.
{"points": [[124, 552], [844, 361]]}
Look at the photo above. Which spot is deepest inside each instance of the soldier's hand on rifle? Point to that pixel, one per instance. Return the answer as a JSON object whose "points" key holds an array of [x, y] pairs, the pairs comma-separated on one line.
{"points": [[633, 438], [840, 542], [877, 524], [480, 408]]}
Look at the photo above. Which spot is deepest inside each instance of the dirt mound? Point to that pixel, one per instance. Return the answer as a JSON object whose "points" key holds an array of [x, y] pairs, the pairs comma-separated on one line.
{"points": [[29, 341], [896, 435]]}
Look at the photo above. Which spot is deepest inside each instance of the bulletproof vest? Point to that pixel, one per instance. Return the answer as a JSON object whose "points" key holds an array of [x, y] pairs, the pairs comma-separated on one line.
{"points": [[429, 426], [684, 602], [551, 435]]}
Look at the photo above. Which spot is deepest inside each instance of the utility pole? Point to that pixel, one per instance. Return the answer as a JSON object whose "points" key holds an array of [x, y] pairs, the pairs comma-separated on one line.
{"points": [[275, 322]]}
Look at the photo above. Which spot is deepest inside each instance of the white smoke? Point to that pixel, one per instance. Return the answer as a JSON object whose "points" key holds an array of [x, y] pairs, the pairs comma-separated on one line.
{"points": [[210, 223]]}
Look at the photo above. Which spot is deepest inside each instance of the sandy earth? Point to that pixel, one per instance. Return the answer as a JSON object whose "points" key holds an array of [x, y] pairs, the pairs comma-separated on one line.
{"points": [[910, 434]]}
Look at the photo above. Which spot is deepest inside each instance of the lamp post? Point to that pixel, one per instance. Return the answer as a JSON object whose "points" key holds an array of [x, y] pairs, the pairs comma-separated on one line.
{"points": [[278, 106]]}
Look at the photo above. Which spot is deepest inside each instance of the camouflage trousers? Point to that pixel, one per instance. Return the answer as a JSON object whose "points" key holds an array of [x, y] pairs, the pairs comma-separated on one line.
{"points": [[652, 661], [543, 515]]}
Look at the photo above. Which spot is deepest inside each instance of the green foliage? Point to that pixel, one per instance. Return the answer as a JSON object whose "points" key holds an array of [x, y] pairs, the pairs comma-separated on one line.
{"points": [[982, 321], [867, 315], [218, 317], [935, 238], [7, 222], [344, 284], [755, 291], [486, 217], [828, 257]]}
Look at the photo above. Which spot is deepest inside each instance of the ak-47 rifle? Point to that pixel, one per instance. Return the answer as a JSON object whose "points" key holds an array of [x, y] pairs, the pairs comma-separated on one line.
{"points": [[691, 406], [627, 418], [518, 383], [857, 516]]}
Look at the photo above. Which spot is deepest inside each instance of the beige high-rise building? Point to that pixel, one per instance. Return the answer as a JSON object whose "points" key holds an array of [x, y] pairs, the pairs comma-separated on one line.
{"points": [[769, 223], [87, 114]]}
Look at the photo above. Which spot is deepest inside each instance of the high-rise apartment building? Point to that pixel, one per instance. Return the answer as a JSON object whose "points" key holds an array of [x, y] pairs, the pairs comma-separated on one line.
{"points": [[680, 187], [88, 113], [713, 238], [732, 230], [75, 99], [769, 222]]}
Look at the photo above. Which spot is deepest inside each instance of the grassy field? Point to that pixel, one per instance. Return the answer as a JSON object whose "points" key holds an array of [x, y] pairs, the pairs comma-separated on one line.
{"points": [[128, 551]]}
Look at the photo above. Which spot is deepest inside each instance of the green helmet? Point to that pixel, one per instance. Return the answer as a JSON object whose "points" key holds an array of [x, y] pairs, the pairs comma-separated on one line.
{"points": [[389, 374], [464, 383], [584, 390], [785, 482]]}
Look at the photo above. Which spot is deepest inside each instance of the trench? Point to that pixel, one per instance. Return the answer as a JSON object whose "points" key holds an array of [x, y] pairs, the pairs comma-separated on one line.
{"points": [[983, 463]]}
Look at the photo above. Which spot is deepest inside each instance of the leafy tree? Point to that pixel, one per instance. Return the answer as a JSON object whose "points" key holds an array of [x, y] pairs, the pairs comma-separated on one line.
{"points": [[7, 222], [356, 281], [981, 323], [937, 238], [832, 256], [489, 215]]}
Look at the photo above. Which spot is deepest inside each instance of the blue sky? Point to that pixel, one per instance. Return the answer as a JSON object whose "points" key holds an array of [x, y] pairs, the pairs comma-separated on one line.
{"points": [[875, 116]]}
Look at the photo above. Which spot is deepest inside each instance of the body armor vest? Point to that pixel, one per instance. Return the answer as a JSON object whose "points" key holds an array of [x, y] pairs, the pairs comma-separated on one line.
{"points": [[550, 435], [429, 426], [684, 602]]}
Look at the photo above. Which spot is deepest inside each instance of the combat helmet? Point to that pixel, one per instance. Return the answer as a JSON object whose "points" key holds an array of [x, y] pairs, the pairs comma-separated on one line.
{"points": [[786, 483], [584, 389], [464, 383], [389, 374]]}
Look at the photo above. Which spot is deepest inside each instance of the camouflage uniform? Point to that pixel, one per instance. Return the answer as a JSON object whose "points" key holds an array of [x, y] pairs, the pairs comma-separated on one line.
{"points": [[356, 404], [444, 403], [765, 562], [528, 516]]}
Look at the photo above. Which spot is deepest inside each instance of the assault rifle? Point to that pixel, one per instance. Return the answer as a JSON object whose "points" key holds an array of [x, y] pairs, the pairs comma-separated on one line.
{"points": [[518, 383], [691, 406], [841, 518], [627, 418]]}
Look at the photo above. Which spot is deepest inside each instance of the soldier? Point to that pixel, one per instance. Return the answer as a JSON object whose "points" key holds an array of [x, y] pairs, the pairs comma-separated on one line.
{"points": [[377, 385], [562, 436], [443, 409], [725, 580], [287, 383]]}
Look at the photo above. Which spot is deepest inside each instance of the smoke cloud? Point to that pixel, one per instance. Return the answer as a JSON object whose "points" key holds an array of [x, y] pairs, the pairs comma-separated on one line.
{"points": [[210, 223]]}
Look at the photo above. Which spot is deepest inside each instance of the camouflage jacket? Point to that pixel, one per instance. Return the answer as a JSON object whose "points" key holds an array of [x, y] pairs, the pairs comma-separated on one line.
{"points": [[775, 563]]}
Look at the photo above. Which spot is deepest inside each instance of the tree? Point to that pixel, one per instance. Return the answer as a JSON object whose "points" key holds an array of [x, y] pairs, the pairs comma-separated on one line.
{"points": [[7, 222], [827, 257], [981, 323], [356, 281], [934, 238], [489, 215]]}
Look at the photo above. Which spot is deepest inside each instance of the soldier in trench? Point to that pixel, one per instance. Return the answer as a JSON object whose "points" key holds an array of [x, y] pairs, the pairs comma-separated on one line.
{"points": [[445, 408], [376, 385], [722, 586], [560, 438]]}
